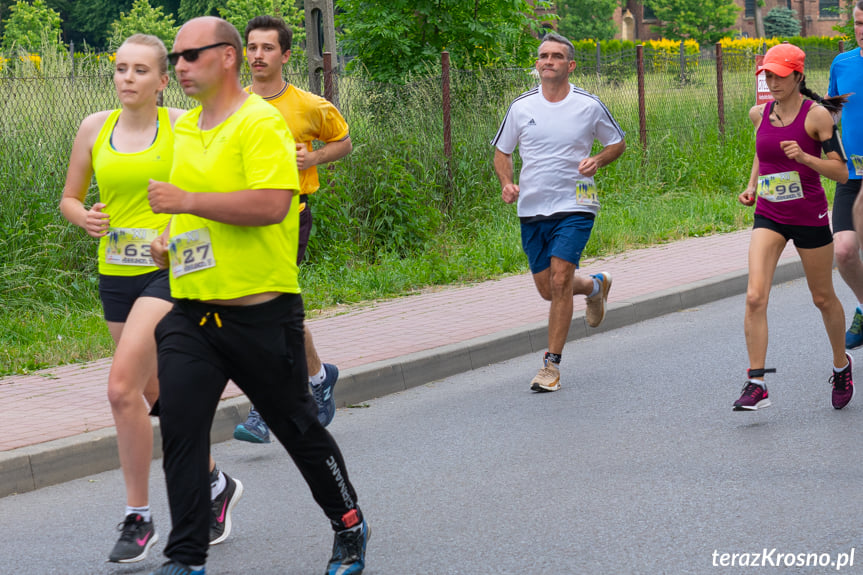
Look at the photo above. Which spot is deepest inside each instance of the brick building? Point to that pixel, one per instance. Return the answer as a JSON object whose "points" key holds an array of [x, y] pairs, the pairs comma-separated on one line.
{"points": [[817, 17]]}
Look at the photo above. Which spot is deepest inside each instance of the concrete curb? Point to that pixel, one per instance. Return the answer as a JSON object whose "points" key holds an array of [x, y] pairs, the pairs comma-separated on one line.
{"points": [[49, 463]]}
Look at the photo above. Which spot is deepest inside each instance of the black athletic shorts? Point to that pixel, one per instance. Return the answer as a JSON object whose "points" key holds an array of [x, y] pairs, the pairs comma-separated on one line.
{"points": [[804, 237], [305, 228], [843, 201], [118, 293]]}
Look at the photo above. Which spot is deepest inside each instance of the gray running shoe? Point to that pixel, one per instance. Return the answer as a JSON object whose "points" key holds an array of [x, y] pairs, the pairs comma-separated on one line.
{"points": [[136, 538]]}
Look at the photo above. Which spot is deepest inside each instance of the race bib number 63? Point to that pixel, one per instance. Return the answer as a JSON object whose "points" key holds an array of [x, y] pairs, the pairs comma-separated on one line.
{"points": [[130, 246]]}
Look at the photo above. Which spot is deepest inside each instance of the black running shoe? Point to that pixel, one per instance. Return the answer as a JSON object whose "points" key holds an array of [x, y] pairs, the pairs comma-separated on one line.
{"points": [[843, 386], [136, 538], [223, 504]]}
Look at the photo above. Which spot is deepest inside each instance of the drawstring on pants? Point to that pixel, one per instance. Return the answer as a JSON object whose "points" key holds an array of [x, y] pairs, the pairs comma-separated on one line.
{"points": [[215, 316]]}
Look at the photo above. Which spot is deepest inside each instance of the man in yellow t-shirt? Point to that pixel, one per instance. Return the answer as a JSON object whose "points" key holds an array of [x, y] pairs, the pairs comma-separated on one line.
{"points": [[231, 250], [309, 118]]}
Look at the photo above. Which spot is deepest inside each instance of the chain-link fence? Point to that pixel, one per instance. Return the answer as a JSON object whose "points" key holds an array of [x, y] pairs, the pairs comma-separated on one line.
{"points": [[397, 131], [680, 96]]}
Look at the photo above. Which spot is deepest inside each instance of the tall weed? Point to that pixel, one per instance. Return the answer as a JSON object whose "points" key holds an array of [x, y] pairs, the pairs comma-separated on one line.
{"points": [[395, 215]]}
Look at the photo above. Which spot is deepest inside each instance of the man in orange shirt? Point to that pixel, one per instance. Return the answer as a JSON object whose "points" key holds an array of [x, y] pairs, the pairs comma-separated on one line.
{"points": [[309, 117]]}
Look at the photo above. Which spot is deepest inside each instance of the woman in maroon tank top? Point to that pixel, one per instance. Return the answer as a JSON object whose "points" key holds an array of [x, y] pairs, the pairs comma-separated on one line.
{"points": [[785, 186]]}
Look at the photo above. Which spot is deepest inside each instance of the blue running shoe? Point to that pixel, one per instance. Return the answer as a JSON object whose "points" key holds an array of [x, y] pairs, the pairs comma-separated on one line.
{"points": [[323, 395], [253, 430], [177, 568], [349, 551], [854, 335]]}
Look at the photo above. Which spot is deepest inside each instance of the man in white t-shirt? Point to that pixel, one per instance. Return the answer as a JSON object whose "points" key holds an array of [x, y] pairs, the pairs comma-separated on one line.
{"points": [[554, 126]]}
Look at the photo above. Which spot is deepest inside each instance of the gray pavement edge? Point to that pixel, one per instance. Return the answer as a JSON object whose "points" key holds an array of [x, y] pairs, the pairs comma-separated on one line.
{"points": [[29, 468]]}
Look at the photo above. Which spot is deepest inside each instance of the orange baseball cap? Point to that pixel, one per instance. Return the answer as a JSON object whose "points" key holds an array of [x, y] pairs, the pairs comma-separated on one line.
{"points": [[783, 59]]}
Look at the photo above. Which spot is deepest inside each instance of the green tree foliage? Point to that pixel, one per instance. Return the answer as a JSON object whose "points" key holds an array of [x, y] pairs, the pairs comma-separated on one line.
{"points": [[189, 9], [587, 19], [29, 25], [847, 27], [781, 22], [395, 38], [4, 13], [88, 22], [169, 6], [145, 19], [705, 21], [239, 12]]}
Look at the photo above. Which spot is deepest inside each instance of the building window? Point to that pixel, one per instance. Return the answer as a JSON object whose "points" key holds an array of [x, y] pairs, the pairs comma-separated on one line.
{"points": [[648, 13], [828, 9], [749, 8]]}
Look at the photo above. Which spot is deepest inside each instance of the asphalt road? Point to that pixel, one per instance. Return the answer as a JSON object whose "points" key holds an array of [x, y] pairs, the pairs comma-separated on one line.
{"points": [[638, 465]]}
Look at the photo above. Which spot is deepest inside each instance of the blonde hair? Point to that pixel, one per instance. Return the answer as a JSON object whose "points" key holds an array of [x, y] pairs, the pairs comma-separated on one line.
{"points": [[153, 42]]}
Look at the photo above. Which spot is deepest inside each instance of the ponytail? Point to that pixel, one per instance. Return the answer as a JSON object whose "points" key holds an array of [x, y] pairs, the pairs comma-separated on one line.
{"points": [[833, 103]]}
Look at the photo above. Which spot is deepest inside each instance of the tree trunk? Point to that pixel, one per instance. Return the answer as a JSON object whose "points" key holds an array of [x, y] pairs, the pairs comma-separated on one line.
{"points": [[759, 20]]}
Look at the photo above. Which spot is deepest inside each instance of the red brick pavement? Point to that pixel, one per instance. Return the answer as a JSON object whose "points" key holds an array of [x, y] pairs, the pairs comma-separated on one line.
{"points": [[70, 400]]}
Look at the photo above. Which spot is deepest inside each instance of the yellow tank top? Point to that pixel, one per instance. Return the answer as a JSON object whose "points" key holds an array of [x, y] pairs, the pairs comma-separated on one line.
{"points": [[122, 180]]}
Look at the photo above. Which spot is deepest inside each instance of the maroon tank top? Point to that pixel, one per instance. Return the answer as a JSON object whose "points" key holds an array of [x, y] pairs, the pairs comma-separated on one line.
{"points": [[811, 209]]}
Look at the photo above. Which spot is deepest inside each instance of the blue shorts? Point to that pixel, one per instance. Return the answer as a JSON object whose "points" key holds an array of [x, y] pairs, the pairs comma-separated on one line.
{"points": [[563, 238]]}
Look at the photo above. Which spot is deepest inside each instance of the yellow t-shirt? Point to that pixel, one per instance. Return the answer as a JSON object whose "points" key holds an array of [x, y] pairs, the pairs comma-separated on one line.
{"points": [[309, 118], [252, 149], [123, 180]]}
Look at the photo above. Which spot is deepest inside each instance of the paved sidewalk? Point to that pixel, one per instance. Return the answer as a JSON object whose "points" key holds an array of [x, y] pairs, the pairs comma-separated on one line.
{"points": [[57, 424]]}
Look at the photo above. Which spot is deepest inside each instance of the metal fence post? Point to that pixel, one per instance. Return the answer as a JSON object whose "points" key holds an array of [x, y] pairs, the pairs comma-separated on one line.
{"points": [[598, 60], [445, 101], [642, 113], [682, 63], [72, 61], [720, 90], [841, 46]]}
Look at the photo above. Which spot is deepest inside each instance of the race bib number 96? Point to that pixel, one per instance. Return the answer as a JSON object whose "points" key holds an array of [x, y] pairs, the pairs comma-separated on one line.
{"points": [[191, 252], [130, 246], [585, 194], [780, 187]]}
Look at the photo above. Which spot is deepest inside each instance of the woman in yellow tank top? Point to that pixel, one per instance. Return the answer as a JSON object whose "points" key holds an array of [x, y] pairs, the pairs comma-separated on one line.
{"points": [[124, 149]]}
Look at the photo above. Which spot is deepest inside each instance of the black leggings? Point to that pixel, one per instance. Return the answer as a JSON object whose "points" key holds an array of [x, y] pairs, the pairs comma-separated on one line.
{"points": [[261, 349]]}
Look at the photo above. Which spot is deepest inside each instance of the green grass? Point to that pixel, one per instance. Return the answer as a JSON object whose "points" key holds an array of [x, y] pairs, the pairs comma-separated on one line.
{"points": [[391, 218]]}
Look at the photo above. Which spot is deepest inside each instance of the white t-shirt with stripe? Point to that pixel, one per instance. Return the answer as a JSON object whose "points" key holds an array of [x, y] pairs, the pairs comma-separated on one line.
{"points": [[552, 139]]}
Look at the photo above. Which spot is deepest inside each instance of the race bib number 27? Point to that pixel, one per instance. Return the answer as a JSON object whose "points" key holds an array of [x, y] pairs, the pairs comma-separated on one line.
{"points": [[191, 252]]}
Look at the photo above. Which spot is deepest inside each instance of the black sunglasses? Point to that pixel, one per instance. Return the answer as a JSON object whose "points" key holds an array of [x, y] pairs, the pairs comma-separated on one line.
{"points": [[192, 54]]}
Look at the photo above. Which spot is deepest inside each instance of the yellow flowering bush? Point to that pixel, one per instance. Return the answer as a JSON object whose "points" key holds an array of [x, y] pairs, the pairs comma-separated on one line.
{"points": [[739, 53], [664, 55]]}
